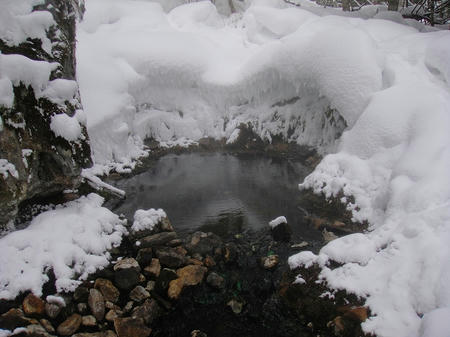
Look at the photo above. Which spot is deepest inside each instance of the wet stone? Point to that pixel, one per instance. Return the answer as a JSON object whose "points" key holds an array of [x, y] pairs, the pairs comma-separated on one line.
{"points": [[148, 311], [166, 275], [107, 333], [81, 294], [150, 286], [236, 306], [36, 330], [108, 290], [33, 305], [139, 294], [270, 262], [12, 319], [96, 304], [127, 308], [203, 243], [82, 308], [282, 232], [169, 257], [126, 273], [159, 239], [70, 325], [144, 256], [131, 327], [88, 320], [215, 280], [112, 315]]}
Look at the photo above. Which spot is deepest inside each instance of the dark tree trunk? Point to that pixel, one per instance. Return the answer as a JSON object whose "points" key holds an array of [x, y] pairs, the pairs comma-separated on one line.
{"points": [[393, 5], [346, 5]]}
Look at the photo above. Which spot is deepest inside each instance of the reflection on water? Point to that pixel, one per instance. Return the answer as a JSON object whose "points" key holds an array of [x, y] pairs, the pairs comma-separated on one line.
{"points": [[217, 192]]}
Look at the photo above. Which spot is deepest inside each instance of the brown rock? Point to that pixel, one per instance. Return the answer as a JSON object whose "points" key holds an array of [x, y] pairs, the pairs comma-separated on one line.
{"points": [[175, 243], [209, 261], [144, 256], [154, 269], [33, 305], [131, 327], [159, 239], [338, 325], [96, 304], [112, 315], [195, 261], [108, 290], [181, 250], [70, 325], [169, 257], [126, 273], [47, 325], [35, 330], [358, 314], [107, 333], [138, 294], [187, 276], [12, 319], [270, 262], [88, 320], [128, 306]]}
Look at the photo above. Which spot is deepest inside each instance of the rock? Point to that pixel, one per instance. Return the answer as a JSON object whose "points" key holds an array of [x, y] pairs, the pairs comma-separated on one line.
{"points": [[112, 315], [300, 245], [153, 270], [52, 310], [33, 305], [82, 308], [111, 305], [328, 236], [188, 276], [170, 258], [235, 306], [181, 250], [107, 333], [358, 314], [70, 325], [131, 327], [203, 243], [12, 319], [144, 256], [127, 308], [162, 283], [198, 333], [47, 325], [35, 330], [148, 311], [195, 261], [126, 273], [175, 243], [138, 294], [88, 320], [281, 232], [215, 280], [81, 294], [150, 286], [209, 261], [270, 262], [230, 252], [108, 290], [159, 239], [96, 304]]}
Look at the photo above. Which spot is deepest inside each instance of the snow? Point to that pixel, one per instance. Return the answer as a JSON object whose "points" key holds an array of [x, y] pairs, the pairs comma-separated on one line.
{"points": [[278, 221], [147, 219], [7, 168], [56, 300], [65, 126], [72, 239]]}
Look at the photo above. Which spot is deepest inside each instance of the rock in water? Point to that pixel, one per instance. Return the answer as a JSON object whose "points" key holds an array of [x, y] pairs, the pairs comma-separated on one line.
{"points": [[42, 161], [280, 229]]}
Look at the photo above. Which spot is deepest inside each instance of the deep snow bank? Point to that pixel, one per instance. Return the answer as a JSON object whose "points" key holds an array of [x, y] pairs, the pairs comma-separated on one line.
{"points": [[307, 75], [72, 240]]}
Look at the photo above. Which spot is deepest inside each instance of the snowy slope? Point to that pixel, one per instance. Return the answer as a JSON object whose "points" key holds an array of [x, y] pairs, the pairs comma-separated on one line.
{"points": [[191, 73]]}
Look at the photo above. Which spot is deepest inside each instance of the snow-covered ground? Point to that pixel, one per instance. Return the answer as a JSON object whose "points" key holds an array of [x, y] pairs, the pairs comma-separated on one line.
{"points": [[178, 74]]}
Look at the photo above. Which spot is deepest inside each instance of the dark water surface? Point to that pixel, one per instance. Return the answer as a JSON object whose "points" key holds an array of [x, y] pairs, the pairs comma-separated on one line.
{"points": [[221, 193]]}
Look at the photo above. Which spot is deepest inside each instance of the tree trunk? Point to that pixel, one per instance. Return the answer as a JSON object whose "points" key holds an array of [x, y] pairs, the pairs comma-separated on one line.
{"points": [[392, 5], [346, 5]]}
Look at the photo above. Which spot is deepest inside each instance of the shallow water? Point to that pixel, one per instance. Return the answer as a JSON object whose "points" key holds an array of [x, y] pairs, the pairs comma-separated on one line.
{"points": [[221, 193]]}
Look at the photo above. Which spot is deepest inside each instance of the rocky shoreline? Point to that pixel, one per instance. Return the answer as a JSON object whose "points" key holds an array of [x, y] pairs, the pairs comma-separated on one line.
{"points": [[198, 285]]}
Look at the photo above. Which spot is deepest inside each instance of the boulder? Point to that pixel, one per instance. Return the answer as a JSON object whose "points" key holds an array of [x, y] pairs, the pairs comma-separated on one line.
{"points": [[188, 276]]}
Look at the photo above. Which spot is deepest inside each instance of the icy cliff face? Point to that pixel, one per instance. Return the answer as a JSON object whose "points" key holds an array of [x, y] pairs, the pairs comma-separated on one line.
{"points": [[43, 136]]}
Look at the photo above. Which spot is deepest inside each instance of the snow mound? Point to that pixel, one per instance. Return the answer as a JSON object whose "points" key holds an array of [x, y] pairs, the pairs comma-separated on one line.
{"points": [[72, 240], [147, 219], [66, 127]]}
